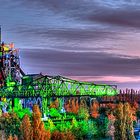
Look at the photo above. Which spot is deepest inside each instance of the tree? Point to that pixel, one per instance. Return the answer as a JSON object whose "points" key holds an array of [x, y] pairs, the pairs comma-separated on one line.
{"points": [[10, 123], [36, 122], [39, 132], [44, 135], [10, 137], [129, 121], [120, 131], [94, 107], [56, 135], [124, 122], [54, 104], [26, 128], [72, 106], [69, 136], [83, 113]]}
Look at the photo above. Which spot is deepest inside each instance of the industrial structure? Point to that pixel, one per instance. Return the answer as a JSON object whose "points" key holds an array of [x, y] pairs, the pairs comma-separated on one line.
{"points": [[14, 83]]}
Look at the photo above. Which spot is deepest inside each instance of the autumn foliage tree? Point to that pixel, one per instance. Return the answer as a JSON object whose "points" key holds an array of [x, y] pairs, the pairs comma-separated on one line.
{"points": [[72, 105], [26, 128], [124, 122], [12, 137], [36, 122], [36, 129], [15, 137], [44, 134], [54, 104], [134, 110], [129, 121], [10, 123], [120, 132], [69, 136], [83, 103], [56, 135], [39, 132], [94, 107]]}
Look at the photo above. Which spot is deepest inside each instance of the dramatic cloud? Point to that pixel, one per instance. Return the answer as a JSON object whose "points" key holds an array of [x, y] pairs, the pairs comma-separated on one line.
{"points": [[122, 13], [81, 63]]}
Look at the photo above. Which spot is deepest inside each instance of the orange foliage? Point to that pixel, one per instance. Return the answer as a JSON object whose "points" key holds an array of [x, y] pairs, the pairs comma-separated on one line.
{"points": [[83, 103], [15, 138], [55, 104], [36, 131], [5, 115], [56, 135], [134, 118], [26, 128], [47, 135], [39, 132], [94, 109], [72, 105], [111, 106], [10, 138], [69, 136], [111, 117], [44, 135], [135, 106]]}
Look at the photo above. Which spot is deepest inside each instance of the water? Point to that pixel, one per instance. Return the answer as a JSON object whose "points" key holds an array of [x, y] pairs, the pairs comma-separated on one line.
{"points": [[137, 130]]}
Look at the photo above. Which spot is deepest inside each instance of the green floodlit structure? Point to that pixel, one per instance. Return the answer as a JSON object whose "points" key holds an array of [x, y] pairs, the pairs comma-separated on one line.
{"points": [[55, 86], [14, 83]]}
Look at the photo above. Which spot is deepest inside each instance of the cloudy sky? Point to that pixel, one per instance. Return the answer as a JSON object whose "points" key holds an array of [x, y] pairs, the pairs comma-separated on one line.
{"points": [[87, 40]]}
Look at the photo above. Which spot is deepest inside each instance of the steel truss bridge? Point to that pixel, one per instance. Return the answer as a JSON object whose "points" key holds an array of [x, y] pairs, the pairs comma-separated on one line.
{"points": [[55, 86], [14, 83]]}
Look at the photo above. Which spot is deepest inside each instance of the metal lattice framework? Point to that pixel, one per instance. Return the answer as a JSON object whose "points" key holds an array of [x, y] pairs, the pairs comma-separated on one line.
{"points": [[49, 86], [14, 83]]}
